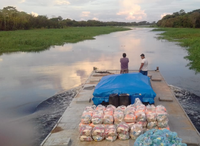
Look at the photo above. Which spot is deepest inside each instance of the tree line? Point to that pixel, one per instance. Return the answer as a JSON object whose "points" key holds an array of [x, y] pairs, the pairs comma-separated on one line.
{"points": [[181, 19], [12, 19]]}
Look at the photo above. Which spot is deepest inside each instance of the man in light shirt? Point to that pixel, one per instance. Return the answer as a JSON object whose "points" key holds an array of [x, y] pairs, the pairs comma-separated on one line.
{"points": [[124, 64], [144, 65]]}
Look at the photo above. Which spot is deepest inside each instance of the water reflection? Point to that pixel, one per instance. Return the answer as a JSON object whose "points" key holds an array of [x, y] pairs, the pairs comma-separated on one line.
{"points": [[192, 54], [26, 79]]}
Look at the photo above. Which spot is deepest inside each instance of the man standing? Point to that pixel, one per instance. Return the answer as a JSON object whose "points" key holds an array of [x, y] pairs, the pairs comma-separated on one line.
{"points": [[144, 65], [124, 64]]}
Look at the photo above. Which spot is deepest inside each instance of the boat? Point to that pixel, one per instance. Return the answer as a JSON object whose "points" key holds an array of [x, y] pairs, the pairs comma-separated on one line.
{"points": [[65, 132]]}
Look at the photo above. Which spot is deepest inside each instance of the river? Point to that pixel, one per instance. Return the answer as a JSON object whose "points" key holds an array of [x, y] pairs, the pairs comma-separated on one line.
{"points": [[28, 79]]}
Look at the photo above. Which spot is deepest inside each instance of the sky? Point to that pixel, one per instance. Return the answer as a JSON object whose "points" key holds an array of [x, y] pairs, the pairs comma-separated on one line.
{"points": [[103, 10]]}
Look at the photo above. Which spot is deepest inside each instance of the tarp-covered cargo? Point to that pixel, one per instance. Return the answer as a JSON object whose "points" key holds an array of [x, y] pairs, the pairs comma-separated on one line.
{"points": [[134, 84]]}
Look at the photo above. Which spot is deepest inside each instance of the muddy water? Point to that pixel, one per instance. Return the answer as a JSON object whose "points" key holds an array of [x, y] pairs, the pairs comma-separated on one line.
{"points": [[27, 79]]}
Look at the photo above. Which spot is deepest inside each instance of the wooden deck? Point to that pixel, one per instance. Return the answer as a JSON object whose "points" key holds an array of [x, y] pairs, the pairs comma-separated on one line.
{"points": [[65, 132]]}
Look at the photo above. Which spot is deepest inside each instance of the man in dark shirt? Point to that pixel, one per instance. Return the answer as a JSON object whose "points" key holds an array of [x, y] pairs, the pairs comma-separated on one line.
{"points": [[124, 64]]}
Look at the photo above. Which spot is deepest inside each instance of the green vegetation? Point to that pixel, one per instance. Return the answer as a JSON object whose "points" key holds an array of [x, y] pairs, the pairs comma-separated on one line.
{"points": [[12, 19], [181, 19], [188, 37], [40, 39]]}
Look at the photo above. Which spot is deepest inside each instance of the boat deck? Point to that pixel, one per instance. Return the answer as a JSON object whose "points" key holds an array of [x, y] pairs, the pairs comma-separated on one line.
{"points": [[65, 132]]}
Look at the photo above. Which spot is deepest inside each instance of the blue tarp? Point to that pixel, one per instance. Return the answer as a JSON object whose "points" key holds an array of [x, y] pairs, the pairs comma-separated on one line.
{"points": [[134, 84]]}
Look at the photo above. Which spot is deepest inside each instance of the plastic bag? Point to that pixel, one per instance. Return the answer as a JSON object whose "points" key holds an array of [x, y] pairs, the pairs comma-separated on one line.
{"points": [[136, 130], [85, 130], [161, 116], [141, 108], [151, 116], [123, 131], [97, 119], [111, 138], [98, 112], [111, 133], [130, 110], [82, 124], [130, 124], [118, 116], [163, 124], [160, 108], [98, 133], [150, 108], [85, 138], [108, 119], [122, 107], [111, 106], [100, 107], [152, 125], [92, 125], [144, 124], [86, 117], [140, 116], [131, 105], [137, 102], [109, 111], [130, 118], [122, 136], [123, 128]]}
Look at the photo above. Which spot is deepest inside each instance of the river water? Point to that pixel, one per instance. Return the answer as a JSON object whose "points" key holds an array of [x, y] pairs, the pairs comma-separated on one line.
{"points": [[28, 79]]}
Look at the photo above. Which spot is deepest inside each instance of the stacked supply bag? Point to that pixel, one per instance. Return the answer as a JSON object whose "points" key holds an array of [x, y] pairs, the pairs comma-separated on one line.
{"points": [[122, 122], [108, 115], [85, 133], [123, 131], [118, 115], [136, 130], [98, 133], [151, 117], [86, 117], [162, 117], [140, 113], [130, 114], [98, 115], [110, 133]]}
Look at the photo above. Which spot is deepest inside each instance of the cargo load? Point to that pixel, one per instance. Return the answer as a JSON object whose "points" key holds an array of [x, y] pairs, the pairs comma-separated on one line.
{"points": [[134, 84]]}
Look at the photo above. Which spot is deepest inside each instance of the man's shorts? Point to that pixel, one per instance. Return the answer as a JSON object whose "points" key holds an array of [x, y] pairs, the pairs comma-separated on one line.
{"points": [[144, 72]]}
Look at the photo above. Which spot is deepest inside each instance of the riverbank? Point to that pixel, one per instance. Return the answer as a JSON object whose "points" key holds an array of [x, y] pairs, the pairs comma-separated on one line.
{"points": [[41, 39], [187, 37]]}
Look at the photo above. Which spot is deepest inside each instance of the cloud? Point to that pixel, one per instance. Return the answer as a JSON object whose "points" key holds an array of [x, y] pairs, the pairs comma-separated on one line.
{"points": [[104, 10], [131, 10], [34, 14], [65, 48], [22, 1], [95, 18], [85, 14], [62, 2], [164, 14]]}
